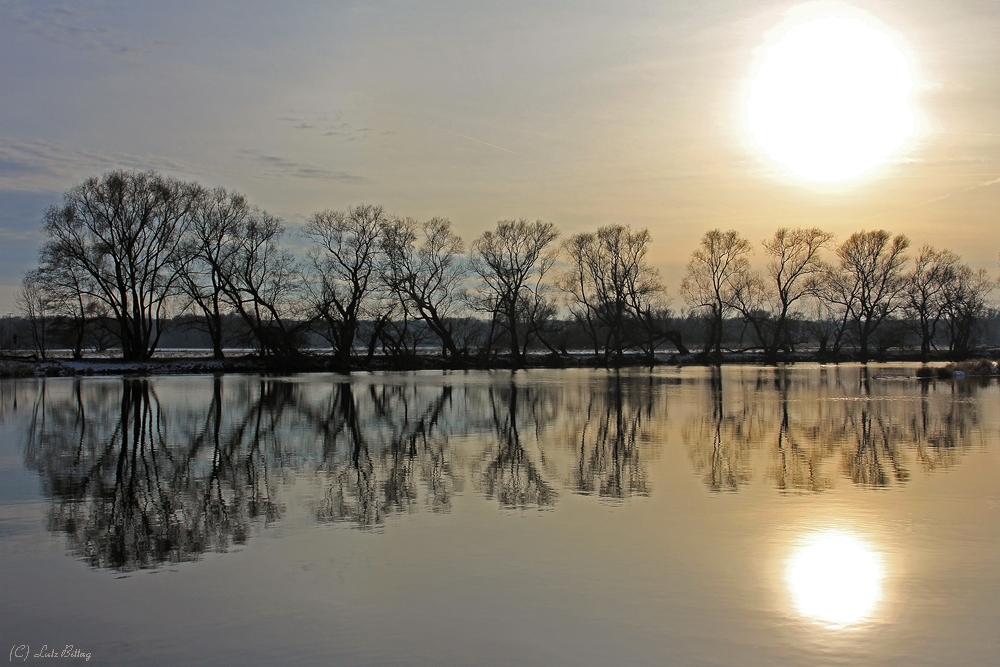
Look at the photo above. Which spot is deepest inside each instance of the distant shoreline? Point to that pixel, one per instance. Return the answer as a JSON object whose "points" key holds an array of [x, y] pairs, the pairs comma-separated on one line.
{"points": [[19, 367]]}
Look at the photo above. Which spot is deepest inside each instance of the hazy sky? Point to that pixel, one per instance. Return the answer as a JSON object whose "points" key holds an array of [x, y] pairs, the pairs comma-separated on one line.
{"points": [[581, 113]]}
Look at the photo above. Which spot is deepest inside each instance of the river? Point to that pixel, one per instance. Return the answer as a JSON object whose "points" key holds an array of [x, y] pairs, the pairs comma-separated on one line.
{"points": [[804, 515]]}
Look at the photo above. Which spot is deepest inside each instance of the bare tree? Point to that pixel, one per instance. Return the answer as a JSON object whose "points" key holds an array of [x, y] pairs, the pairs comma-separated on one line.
{"points": [[965, 305], [381, 309], [823, 323], [122, 232], [427, 278], [794, 271], [578, 283], [34, 301], [869, 283], [218, 225], [709, 283], [927, 288], [344, 267], [75, 310], [512, 261], [263, 283], [833, 317], [615, 295]]}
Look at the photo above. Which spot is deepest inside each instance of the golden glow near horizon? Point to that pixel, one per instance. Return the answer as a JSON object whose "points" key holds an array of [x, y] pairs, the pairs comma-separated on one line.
{"points": [[835, 579], [830, 99]]}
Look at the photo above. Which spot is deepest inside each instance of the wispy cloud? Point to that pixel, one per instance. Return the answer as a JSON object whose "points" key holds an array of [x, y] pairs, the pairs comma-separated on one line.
{"points": [[12, 236], [983, 185], [274, 165], [42, 166], [67, 25], [478, 141], [935, 200], [333, 125], [973, 134]]}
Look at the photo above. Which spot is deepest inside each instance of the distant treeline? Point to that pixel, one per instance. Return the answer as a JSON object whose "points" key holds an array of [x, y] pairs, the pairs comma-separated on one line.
{"points": [[132, 260]]}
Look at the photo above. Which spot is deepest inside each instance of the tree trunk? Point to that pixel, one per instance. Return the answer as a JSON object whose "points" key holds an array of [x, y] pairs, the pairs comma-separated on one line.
{"points": [[863, 343], [515, 348]]}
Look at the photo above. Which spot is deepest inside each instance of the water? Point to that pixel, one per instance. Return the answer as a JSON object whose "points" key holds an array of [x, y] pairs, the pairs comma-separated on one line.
{"points": [[753, 516]]}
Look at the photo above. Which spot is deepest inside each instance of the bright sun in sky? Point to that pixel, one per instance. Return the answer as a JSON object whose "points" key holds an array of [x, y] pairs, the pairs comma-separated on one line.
{"points": [[830, 99], [836, 579]]}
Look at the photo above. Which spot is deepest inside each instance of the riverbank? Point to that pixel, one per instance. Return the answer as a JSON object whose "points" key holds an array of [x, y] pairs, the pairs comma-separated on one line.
{"points": [[195, 365]]}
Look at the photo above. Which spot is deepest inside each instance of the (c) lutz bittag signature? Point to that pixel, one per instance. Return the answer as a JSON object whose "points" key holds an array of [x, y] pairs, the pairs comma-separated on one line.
{"points": [[22, 652]]}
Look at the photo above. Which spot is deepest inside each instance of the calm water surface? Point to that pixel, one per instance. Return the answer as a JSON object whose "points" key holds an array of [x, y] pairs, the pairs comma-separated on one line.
{"points": [[749, 516]]}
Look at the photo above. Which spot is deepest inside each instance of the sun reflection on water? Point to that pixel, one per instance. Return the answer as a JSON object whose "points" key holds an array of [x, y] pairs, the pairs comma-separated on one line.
{"points": [[835, 579]]}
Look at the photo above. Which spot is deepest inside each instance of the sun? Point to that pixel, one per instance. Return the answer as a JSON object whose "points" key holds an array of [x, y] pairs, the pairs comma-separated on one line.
{"points": [[830, 100], [835, 579]]}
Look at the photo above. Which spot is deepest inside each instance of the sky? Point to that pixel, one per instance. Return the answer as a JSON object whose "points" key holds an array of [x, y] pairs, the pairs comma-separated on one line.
{"points": [[581, 113]]}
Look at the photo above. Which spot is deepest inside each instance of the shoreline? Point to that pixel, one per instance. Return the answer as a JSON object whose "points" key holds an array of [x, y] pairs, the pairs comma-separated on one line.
{"points": [[21, 367]]}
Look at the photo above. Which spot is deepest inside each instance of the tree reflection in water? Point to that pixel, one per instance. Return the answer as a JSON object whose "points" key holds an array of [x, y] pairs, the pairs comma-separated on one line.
{"points": [[506, 471], [721, 441], [144, 472], [131, 493], [609, 439], [376, 456], [809, 427], [604, 426]]}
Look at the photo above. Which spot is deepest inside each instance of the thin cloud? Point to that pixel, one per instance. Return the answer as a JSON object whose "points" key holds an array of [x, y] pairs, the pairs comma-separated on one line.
{"points": [[327, 125], [42, 166], [10, 236], [972, 134], [69, 27], [935, 200], [274, 165], [983, 185], [478, 141]]}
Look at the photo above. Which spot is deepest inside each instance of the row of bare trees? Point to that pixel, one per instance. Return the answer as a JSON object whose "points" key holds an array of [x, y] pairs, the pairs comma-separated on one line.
{"points": [[132, 248], [128, 250], [868, 282]]}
